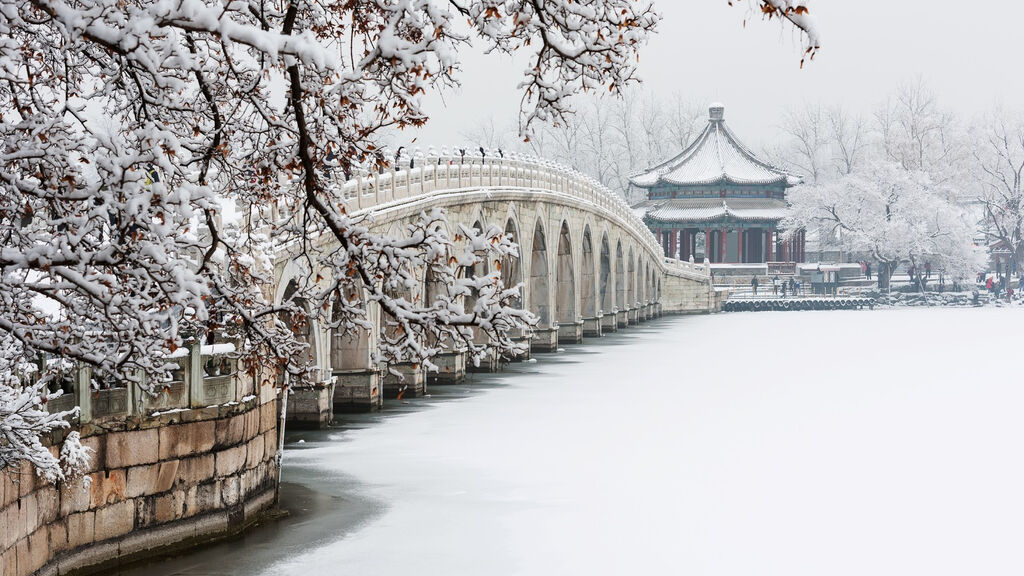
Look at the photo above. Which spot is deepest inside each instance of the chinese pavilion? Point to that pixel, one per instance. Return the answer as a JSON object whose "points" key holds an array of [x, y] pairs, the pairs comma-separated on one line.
{"points": [[716, 200]]}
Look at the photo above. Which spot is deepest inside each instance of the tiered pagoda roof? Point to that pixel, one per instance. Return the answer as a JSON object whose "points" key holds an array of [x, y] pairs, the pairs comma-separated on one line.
{"points": [[716, 156]]}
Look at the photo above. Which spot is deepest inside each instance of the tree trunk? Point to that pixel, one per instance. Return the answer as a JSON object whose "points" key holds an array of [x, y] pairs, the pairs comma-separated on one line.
{"points": [[885, 272], [279, 457]]}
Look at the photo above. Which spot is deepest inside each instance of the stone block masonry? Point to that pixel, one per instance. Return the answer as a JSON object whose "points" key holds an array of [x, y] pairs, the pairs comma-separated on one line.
{"points": [[157, 484]]}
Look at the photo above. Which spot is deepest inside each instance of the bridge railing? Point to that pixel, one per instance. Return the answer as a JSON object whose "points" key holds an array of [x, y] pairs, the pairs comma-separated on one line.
{"points": [[412, 177], [204, 375]]}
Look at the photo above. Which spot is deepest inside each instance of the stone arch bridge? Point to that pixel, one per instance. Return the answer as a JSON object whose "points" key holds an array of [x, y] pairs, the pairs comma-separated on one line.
{"points": [[588, 266]]}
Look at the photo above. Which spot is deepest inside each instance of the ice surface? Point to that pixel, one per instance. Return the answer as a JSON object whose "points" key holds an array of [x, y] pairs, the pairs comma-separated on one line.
{"points": [[881, 442], [898, 454]]}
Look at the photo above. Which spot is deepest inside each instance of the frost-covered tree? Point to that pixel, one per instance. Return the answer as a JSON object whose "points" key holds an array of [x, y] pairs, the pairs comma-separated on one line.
{"points": [[24, 419], [128, 125], [998, 150], [893, 214], [916, 132]]}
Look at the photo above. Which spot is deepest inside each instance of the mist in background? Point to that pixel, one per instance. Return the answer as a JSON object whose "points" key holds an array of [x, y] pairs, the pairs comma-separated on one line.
{"points": [[968, 54]]}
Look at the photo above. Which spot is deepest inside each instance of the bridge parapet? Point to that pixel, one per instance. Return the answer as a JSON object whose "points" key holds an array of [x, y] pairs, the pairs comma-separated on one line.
{"points": [[448, 172]]}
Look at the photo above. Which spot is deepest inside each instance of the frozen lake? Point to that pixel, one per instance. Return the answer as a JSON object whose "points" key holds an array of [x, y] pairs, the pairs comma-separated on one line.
{"points": [[884, 442]]}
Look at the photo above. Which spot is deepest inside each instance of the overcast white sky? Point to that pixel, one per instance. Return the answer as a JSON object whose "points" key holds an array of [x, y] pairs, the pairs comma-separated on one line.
{"points": [[970, 53]]}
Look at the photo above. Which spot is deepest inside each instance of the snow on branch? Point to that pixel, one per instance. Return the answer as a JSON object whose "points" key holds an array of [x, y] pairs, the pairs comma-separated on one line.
{"points": [[797, 13]]}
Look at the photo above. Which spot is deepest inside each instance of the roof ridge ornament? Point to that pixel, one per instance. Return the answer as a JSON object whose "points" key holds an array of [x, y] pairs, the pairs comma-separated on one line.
{"points": [[716, 112]]}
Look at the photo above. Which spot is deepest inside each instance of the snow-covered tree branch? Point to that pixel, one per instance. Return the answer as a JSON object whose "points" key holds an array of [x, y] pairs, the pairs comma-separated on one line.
{"points": [[156, 156]]}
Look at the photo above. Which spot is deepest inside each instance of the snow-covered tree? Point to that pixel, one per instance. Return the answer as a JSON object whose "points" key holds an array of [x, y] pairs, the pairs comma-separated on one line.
{"points": [[128, 125], [998, 150], [916, 132], [893, 214], [24, 420]]}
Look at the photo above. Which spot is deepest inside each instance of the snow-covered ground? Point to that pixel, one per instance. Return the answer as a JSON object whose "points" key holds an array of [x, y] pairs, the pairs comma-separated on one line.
{"points": [[882, 442]]}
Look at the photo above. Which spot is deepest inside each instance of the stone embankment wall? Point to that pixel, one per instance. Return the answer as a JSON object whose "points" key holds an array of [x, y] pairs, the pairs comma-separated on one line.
{"points": [[682, 294], [157, 483]]}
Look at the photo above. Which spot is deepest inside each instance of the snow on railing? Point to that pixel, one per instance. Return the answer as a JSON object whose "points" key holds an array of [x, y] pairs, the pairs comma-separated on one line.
{"points": [[433, 171], [203, 375]]}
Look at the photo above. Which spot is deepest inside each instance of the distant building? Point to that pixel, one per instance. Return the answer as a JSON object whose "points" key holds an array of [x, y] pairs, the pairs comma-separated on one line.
{"points": [[717, 200]]}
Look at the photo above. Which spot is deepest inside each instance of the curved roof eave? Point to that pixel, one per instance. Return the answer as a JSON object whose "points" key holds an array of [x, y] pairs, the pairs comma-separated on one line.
{"points": [[723, 136]]}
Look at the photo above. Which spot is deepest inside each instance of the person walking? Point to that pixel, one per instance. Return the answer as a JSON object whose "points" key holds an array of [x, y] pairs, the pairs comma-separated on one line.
{"points": [[928, 270], [753, 284], [867, 269], [775, 285]]}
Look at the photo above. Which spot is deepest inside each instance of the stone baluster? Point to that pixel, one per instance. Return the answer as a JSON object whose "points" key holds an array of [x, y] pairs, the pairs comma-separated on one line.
{"points": [[194, 374], [83, 387]]}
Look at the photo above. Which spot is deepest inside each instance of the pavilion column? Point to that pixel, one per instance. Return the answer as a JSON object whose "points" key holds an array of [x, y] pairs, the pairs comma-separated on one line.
{"points": [[708, 252], [740, 248], [723, 245], [803, 245], [673, 234]]}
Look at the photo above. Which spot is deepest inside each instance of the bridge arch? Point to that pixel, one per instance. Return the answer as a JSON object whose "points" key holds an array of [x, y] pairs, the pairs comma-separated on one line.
{"points": [[607, 288], [640, 277], [620, 278], [565, 278], [511, 268], [630, 280], [588, 278], [351, 346], [539, 296], [645, 296], [306, 329]]}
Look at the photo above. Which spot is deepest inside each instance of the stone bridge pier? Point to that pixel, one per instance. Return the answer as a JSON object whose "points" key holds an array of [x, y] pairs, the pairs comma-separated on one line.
{"points": [[587, 266]]}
